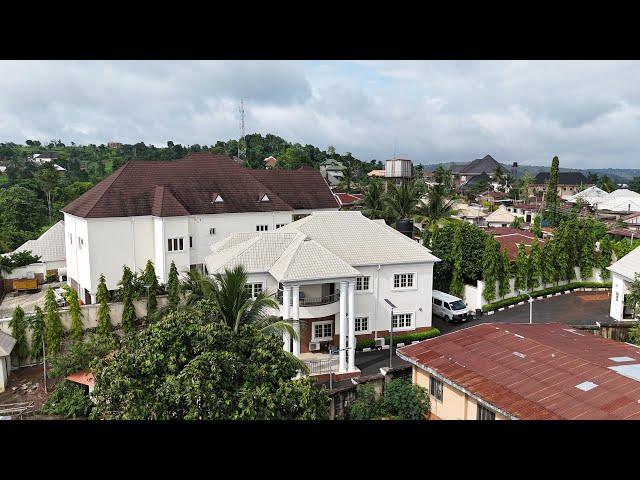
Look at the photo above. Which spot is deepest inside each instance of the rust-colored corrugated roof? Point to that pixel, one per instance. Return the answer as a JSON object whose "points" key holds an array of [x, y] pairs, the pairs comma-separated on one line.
{"points": [[185, 187], [348, 198], [510, 238], [532, 371], [83, 378]]}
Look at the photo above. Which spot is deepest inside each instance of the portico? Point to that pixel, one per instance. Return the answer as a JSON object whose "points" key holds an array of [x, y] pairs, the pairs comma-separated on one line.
{"points": [[316, 308]]}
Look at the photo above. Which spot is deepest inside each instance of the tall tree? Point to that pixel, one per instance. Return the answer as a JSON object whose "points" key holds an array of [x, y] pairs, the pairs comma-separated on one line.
{"points": [[522, 269], [536, 228], [36, 324], [634, 184], [173, 287], [587, 251], [551, 195], [549, 266], [373, 201], [76, 328], [504, 278], [128, 309], [490, 267], [150, 280], [104, 328], [535, 265], [435, 210], [444, 178], [632, 298], [18, 325], [457, 283], [605, 257], [54, 331], [48, 181], [402, 201]]}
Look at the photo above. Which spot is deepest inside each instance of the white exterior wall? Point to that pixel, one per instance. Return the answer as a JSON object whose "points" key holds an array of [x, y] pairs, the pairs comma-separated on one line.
{"points": [[111, 243], [619, 288]]}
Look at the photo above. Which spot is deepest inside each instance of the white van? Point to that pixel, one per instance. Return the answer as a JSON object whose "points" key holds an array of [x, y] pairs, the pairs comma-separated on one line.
{"points": [[449, 308]]}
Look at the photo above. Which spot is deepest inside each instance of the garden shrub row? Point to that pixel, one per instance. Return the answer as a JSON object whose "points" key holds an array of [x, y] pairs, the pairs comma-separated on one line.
{"points": [[405, 338], [541, 293]]}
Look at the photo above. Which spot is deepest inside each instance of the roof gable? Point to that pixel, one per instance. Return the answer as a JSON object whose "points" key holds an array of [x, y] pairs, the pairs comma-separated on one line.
{"points": [[486, 164]]}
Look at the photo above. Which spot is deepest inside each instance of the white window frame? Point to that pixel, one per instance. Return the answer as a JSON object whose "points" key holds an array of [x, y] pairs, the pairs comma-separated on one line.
{"points": [[369, 283], [413, 287], [313, 331], [413, 321], [368, 329], [253, 288], [175, 241], [262, 228]]}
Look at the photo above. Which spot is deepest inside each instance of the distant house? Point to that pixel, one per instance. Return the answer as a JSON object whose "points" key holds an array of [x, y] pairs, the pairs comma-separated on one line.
{"points": [[548, 371], [376, 174], [632, 221], [592, 195], [527, 211], [348, 201], [332, 171], [510, 238], [114, 145], [623, 273], [40, 159], [569, 183], [473, 214], [50, 247], [486, 165], [621, 201], [474, 181], [3, 169], [501, 217], [270, 162]]}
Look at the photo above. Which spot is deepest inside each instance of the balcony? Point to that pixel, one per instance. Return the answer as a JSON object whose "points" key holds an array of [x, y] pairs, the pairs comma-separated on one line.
{"points": [[315, 307]]}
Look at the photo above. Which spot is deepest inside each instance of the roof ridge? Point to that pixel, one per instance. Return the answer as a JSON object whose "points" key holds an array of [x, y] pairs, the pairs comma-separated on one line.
{"points": [[116, 175]]}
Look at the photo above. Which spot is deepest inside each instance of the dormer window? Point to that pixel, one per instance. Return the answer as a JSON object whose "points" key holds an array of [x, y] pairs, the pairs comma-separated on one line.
{"points": [[263, 197], [217, 198]]}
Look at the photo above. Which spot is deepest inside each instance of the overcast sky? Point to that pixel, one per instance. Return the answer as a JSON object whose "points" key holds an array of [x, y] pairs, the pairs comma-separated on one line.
{"points": [[586, 112]]}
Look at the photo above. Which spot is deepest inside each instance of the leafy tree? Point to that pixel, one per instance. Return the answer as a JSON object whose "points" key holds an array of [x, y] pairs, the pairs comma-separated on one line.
{"points": [[587, 253], [490, 267], [606, 184], [406, 401], [373, 205], [534, 268], [18, 325], [68, 400], [457, 283], [127, 290], [435, 210], [551, 196], [632, 298], [444, 178], [81, 355], [549, 265], [54, 331], [366, 406], [173, 287], [186, 367], [48, 181], [20, 209], [150, 280], [524, 183], [605, 257], [536, 228], [402, 201], [104, 327], [522, 269], [517, 222], [36, 324], [504, 286], [634, 184], [76, 329]]}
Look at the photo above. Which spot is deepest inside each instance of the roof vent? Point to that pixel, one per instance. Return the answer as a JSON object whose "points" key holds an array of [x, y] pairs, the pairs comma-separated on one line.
{"points": [[518, 354], [263, 197], [217, 198], [621, 359], [586, 386]]}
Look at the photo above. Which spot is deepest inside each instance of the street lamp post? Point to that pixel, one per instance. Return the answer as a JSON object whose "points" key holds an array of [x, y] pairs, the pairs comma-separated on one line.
{"points": [[530, 307], [391, 333]]}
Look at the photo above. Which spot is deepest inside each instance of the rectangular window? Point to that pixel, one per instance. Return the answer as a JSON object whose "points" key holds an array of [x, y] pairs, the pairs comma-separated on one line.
{"points": [[212, 231], [71, 238], [485, 414], [254, 289], [403, 280], [190, 241], [437, 301], [278, 225], [298, 216], [175, 244], [262, 228], [435, 388], [362, 324], [403, 320], [322, 330], [362, 283]]}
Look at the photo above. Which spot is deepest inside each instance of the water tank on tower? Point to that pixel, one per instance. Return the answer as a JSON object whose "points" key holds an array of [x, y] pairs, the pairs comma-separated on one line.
{"points": [[398, 168]]}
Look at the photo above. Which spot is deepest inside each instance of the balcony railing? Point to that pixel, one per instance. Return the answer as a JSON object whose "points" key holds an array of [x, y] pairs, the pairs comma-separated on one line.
{"points": [[318, 367], [313, 301]]}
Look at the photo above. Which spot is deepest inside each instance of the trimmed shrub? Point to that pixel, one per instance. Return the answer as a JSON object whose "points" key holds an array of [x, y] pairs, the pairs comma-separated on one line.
{"points": [[406, 401], [68, 400], [398, 338]]}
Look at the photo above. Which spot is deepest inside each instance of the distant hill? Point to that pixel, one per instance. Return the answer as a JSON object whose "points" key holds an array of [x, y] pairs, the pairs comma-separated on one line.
{"points": [[618, 175]]}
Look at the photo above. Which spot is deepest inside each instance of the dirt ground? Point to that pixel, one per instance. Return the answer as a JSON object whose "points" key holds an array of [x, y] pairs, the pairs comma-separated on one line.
{"points": [[27, 301], [26, 385]]}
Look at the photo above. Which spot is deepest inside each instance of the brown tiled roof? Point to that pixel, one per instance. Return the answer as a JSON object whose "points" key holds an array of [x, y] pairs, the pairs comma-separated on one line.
{"points": [[190, 185], [532, 371]]}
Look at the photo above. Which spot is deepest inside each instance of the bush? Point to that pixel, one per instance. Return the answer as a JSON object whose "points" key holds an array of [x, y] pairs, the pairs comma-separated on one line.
{"points": [[541, 293], [366, 406], [80, 355], [68, 400], [399, 338], [406, 401]]}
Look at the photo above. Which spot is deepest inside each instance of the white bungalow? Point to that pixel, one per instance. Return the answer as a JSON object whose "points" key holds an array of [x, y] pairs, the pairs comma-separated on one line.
{"points": [[592, 195], [6, 346], [623, 273], [331, 273], [500, 218]]}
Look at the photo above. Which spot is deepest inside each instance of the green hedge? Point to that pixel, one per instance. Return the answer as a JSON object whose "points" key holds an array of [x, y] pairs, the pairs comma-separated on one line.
{"points": [[398, 338], [541, 293]]}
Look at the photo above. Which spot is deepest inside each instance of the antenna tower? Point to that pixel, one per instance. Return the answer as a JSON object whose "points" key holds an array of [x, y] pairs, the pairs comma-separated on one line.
{"points": [[242, 143]]}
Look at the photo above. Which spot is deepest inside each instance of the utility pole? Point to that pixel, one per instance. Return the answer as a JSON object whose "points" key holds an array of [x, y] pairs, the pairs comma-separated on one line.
{"points": [[242, 143]]}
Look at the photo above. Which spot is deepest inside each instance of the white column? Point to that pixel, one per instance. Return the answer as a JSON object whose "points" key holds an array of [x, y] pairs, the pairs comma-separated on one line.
{"points": [[3, 375], [352, 325], [296, 319], [342, 364], [286, 303]]}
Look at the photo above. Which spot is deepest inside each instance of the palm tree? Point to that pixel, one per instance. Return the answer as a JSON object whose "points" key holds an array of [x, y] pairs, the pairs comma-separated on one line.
{"points": [[402, 201], [373, 205], [435, 210]]}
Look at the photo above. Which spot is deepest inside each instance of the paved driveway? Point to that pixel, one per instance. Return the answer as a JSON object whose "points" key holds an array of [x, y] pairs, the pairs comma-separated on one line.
{"points": [[577, 308]]}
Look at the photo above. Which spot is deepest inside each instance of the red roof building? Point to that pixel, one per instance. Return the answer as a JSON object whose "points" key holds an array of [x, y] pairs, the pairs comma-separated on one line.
{"points": [[510, 238], [348, 199], [522, 371]]}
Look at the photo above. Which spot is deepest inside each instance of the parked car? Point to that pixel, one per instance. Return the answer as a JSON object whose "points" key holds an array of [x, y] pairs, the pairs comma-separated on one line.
{"points": [[450, 308], [59, 294]]}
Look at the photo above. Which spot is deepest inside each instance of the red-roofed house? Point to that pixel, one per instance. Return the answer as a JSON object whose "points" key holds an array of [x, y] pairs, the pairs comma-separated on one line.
{"points": [[510, 238], [550, 371], [270, 162], [347, 201], [173, 211]]}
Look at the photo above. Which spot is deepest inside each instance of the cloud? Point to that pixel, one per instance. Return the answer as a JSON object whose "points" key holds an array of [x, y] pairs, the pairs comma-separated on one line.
{"points": [[587, 112]]}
